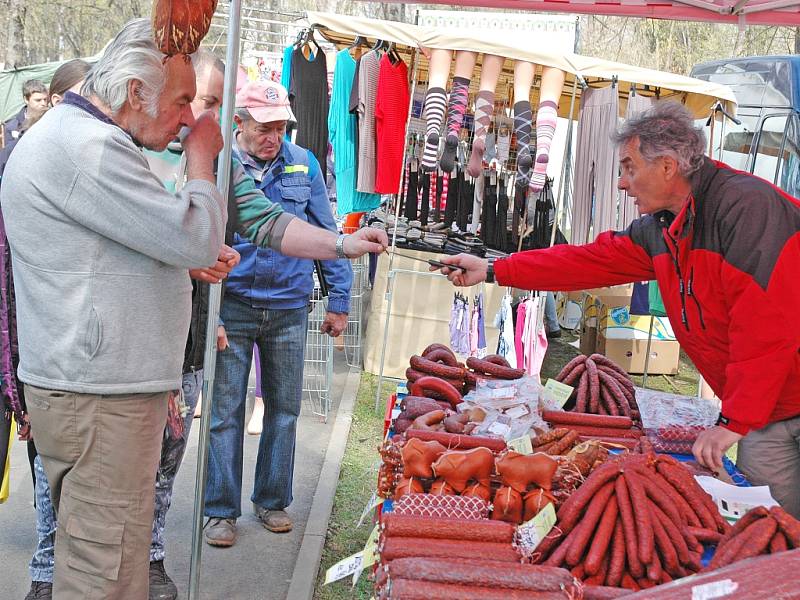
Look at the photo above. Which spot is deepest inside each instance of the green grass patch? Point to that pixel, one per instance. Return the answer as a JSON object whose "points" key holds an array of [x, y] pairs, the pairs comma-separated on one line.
{"points": [[357, 481]]}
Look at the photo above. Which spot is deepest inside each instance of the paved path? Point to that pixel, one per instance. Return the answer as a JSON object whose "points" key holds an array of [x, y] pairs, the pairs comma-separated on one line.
{"points": [[259, 567]]}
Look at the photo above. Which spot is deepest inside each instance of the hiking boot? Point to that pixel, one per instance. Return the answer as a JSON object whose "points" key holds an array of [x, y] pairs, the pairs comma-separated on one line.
{"points": [[220, 532], [161, 586], [277, 521], [556, 333], [40, 590]]}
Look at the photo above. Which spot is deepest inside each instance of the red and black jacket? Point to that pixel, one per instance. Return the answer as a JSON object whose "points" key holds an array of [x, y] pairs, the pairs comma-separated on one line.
{"points": [[728, 267]]}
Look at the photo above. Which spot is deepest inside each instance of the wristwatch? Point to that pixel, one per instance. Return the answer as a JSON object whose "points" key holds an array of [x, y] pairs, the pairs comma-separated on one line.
{"points": [[490, 270], [340, 246]]}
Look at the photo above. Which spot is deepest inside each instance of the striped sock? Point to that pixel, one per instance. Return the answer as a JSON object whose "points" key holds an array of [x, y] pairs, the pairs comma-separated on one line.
{"points": [[484, 109], [522, 129], [435, 103], [456, 107], [546, 119]]}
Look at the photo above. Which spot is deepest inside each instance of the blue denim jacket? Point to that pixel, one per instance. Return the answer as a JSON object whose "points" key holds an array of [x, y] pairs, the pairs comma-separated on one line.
{"points": [[267, 279]]}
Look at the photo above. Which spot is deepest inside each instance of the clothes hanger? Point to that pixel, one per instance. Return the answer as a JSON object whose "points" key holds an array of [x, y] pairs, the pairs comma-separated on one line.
{"points": [[358, 41], [393, 54]]}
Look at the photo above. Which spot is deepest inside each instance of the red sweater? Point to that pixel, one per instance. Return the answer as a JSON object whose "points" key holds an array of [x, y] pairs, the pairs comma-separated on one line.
{"points": [[728, 270], [391, 113]]}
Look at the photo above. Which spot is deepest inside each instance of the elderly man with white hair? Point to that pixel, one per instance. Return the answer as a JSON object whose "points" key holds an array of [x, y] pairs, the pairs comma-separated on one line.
{"points": [[101, 254]]}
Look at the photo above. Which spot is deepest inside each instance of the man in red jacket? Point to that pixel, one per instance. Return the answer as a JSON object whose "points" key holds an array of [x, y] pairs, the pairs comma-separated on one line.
{"points": [[724, 247]]}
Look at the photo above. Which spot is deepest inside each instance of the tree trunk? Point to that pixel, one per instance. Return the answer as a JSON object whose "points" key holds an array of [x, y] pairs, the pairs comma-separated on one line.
{"points": [[797, 40], [15, 44]]}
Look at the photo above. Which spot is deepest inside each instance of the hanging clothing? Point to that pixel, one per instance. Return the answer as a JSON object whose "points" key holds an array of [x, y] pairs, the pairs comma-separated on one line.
{"points": [[628, 212], [391, 114], [473, 331], [425, 198], [412, 200], [368, 73], [489, 213], [308, 94], [519, 330], [286, 68], [477, 202], [465, 199], [342, 131], [453, 191], [505, 323], [594, 205], [481, 328], [501, 221], [503, 126], [534, 337], [459, 325]]}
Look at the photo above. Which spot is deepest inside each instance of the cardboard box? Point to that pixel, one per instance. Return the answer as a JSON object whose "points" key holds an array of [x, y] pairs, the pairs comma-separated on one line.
{"points": [[617, 323], [588, 343], [630, 354]]}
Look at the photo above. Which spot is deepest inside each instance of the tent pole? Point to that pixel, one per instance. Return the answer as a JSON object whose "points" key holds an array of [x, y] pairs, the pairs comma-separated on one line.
{"points": [[214, 298], [567, 159], [647, 352], [390, 282]]}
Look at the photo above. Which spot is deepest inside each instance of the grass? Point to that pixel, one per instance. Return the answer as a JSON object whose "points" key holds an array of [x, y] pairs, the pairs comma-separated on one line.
{"points": [[359, 470]]}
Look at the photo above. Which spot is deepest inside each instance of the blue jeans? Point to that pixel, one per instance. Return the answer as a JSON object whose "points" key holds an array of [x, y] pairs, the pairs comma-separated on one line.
{"points": [[172, 450], [280, 336], [550, 315]]}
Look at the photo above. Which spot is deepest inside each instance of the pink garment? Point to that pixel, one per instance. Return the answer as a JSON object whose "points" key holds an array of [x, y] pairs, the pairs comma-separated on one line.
{"points": [[518, 348], [473, 331], [534, 337]]}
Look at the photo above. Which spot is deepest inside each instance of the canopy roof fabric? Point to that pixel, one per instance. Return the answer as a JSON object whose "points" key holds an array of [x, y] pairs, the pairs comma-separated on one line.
{"points": [[698, 96], [750, 12]]}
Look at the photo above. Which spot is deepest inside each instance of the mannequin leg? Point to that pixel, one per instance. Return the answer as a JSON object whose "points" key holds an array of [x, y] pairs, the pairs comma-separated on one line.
{"points": [[457, 106], [523, 79], [484, 109], [546, 120], [435, 104]]}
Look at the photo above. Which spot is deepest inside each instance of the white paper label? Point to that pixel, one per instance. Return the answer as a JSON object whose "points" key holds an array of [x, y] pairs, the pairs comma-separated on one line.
{"points": [[499, 429], [374, 502], [557, 392], [521, 444], [517, 412], [344, 567], [715, 589], [534, 531], [369, 554]]}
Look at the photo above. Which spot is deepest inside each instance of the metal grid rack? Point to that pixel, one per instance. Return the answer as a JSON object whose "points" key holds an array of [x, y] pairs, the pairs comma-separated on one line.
{"points": [[318, 365], [352, 335]]}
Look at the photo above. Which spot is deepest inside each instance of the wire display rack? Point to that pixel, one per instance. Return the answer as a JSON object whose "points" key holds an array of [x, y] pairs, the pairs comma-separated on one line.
{"points": [[355, 319], [318, 365]]}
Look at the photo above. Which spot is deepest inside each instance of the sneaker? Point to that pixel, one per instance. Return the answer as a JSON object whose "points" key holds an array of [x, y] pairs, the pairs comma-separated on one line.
{"points": [[556, 333], [277, 521], [161, 586], [220, 532], [40, 590]]}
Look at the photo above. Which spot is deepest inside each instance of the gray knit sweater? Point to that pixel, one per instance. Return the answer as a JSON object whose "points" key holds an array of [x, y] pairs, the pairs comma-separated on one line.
{"points": [[100, 254]]}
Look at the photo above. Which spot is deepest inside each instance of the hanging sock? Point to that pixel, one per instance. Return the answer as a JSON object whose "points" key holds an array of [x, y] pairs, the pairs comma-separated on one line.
{"points": [[546, 119], [522, 128], [457, 106], [435, 104], [484, 109]]}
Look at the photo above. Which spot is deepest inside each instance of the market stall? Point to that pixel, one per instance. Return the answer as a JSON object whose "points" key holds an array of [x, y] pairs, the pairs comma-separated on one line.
{"points": [[446, 196], [494, 486]]}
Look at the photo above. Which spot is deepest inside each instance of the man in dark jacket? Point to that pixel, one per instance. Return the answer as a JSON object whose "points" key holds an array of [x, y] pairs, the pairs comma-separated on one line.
{"points": [[35, 94], [724, 247]]}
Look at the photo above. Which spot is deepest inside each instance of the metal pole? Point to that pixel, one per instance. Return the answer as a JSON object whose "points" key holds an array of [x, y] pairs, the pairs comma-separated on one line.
{"points": [[214, 297], [647, 354], [562, 190], [390, 282]]}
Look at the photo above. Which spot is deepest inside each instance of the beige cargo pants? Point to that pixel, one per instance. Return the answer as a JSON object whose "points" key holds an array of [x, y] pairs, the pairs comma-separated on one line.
{"points": [[100, 454]]}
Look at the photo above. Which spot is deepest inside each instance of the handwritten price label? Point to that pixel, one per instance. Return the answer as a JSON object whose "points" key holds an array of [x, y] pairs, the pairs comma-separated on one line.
{"points": [[344, 568], [521, 444], [373, 503], [534, 531], [369, 554], [557, 392]]}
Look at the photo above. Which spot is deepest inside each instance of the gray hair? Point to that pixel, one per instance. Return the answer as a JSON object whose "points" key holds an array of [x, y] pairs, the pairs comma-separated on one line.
{"points": [[243, 114], [205, 59], [666, 129], [132, 54]]}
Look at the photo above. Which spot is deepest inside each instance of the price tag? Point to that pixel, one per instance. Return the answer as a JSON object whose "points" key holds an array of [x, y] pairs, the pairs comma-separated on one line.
{"points": [[557, 392], [534, 531], [715, 589], [521, 444], [373, 503], [369, 554], [344, 568], [499, 429], [733, 452]]}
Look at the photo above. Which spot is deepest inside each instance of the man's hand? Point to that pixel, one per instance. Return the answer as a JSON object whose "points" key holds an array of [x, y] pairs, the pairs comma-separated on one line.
{"points": [[475, 269], [202, 146], [222, 339], [228, 258], [712, 444], [366, 239], [334, 324], [24, 433]]}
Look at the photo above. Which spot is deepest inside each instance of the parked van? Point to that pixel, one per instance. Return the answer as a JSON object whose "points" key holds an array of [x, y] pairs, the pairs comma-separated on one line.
{"points": [[766, 142]]}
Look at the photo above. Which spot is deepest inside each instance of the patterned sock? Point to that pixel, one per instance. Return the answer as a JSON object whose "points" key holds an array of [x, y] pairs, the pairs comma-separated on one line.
{"points": [[433, 113], [546, 119], [484, 109], [456, 107], [522, 129]]}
